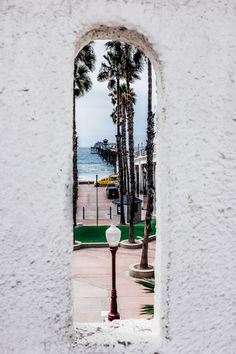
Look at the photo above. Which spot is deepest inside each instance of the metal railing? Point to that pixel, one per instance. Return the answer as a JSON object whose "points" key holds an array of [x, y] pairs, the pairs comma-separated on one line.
{"points": [[142, 152], [92, 214]]}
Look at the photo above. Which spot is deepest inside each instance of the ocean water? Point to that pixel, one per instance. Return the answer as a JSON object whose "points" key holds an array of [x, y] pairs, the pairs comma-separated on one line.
{"points": [[91, 164]]}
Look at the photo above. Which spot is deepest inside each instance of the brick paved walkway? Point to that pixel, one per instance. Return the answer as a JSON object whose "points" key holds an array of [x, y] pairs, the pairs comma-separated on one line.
{"points": [[91, 274]]}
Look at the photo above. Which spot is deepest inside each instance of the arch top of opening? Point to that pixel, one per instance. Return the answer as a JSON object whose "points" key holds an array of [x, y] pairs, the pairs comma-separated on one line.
{"points": [[122, 34]]}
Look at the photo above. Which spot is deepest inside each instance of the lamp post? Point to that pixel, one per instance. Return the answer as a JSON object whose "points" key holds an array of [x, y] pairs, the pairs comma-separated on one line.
{"points": [[113, 235]]}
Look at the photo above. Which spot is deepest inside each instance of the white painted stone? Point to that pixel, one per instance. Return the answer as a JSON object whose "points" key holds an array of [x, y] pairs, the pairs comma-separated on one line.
{"points": [[193, 47]]}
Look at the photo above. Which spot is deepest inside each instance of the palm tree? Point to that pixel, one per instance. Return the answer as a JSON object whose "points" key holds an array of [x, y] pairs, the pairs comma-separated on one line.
{"points": [[133, 65], [84, 63], [111, 71], [131, 60], [123, 93], [124, 108], [150, 170], [113, 95], [123, 124]]}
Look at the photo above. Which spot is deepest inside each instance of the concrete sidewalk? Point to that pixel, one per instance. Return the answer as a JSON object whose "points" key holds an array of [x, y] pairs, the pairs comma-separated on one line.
{"points": [[87, 200], [91, 274]]}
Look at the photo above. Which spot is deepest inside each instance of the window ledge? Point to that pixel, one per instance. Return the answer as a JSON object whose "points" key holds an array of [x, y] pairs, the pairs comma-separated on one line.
{"points": [[131, 336]]}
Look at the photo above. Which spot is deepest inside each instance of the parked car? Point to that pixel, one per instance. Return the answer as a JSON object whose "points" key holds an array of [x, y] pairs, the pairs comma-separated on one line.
{"points": [[106, 180], [112, 190]]}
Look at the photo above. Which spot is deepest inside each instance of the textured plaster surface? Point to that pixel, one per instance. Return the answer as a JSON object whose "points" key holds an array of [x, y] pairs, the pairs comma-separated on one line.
{"points": [[193, 47]]}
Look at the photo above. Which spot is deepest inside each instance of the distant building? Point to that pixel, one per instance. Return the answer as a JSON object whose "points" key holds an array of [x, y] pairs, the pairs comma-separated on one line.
{"points": [[140, 162]]}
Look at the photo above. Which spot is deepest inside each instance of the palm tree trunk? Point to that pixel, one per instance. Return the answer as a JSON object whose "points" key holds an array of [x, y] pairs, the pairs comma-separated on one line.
{"points": [[126, 153], [127, 173], [150, 170], [119, 154], [130, 114], [124, 146], [75, 170]]}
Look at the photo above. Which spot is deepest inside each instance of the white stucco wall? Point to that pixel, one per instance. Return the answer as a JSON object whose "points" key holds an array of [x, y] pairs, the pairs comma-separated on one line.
{"points": [[193, 47]]}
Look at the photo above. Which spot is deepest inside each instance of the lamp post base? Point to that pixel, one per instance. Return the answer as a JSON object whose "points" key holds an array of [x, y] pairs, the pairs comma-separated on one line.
{"points": [[113, 316]]}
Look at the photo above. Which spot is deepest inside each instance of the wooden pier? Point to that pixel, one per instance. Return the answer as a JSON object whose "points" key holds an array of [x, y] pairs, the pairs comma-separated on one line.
{"points": [[93, 150], [106, 150]]}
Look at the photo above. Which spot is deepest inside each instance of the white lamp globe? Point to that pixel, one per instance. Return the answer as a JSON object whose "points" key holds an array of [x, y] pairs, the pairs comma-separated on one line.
{"points": [[113, 235]]}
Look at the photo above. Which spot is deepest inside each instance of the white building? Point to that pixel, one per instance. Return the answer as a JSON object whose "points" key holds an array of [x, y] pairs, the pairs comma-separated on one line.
{"points": [[140, 163]]}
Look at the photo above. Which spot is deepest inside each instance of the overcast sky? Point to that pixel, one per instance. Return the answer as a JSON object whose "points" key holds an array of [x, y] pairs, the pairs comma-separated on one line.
{"points": [[94, 108]]}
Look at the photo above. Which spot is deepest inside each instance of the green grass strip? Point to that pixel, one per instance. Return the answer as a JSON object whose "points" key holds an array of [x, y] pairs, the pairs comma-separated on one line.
{"points": [[91, 234]]}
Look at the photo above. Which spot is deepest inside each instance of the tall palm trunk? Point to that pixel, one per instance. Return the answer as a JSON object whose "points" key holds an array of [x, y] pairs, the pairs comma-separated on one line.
{"points": [[150, 172], [124, 149], [119, 155], [127, 173], [130, 114], [75, 170]]}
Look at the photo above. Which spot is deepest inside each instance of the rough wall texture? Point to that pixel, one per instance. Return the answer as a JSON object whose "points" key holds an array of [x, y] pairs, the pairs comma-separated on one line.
{"points": [[193, 47]]}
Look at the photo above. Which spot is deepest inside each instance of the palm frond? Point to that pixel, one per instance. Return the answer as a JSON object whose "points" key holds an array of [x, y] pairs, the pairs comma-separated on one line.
{"points": [[139, 59], [114, 46], [147, 310], [114, 116], [81, 70], [86, 56], [103, 76], [135, 76], [83, 64], [149, 284], [83, 83], [111, 84]]}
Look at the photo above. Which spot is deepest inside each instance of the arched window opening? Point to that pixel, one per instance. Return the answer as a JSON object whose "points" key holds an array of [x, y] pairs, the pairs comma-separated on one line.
{"points": [[114, 142]]}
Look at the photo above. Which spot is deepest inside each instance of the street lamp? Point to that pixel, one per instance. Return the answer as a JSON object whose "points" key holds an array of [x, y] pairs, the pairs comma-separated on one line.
{"points": [[113, 235]]}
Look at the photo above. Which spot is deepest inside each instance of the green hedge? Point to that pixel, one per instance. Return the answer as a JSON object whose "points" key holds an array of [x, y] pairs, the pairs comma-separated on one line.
{"points": [[89, 234]]}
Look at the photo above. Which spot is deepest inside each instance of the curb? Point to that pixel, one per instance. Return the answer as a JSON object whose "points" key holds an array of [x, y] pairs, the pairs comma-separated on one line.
{"points": [[127, 245], [124, 244], [141, 273]]}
